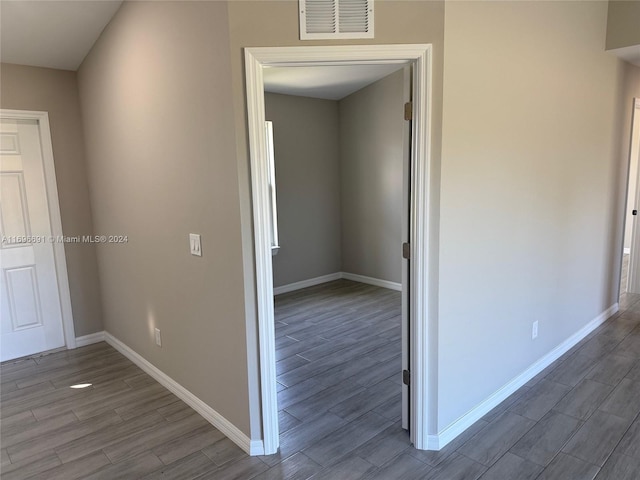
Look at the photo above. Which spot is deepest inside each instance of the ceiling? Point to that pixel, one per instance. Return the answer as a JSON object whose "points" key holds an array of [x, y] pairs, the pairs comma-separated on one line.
{"points": [[53, 34], [59, 34], [628, 54], [329, 82]]}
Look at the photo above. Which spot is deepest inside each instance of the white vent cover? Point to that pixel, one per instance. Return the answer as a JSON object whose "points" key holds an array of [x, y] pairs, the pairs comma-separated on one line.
{"points": [[325, 19]]}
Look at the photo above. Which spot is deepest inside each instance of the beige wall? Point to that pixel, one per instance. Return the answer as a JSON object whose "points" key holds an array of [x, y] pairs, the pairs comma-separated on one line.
{"points": [[307, 159], [56, 92], [531, 221], [530, 224], [157, 107], [339, 171], [623, 24], [371, 166]]}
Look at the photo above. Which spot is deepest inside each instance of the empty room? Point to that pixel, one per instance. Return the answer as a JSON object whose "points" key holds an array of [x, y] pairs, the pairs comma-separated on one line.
{"points": [[423, 281], [340, 149]]}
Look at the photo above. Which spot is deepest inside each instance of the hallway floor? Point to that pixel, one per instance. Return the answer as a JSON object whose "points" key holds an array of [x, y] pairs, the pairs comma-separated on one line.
{"points": [[579, 419]]}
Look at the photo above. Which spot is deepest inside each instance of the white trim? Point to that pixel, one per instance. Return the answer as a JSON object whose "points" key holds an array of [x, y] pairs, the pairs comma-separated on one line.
{"points": [[291, 287], [59, 256], [90, 339], [263, 259], [436, 442], [626, 251], [423, 293], [311, 282], [372, 281], [252, 447]]}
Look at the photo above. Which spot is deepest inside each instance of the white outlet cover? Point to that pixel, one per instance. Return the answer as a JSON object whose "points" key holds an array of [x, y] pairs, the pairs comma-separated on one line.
{"points": [[158, 337]]}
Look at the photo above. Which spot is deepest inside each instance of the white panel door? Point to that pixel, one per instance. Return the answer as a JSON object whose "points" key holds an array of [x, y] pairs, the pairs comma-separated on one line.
{"points": [[31, 316]]}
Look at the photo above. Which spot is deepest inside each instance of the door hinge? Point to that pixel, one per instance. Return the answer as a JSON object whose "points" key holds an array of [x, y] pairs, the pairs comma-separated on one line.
{"points": [[406, 377], [406, 251], [408, 111]]}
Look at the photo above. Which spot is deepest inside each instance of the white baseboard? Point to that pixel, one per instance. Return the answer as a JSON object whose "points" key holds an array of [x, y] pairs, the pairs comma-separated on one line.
{"points": [[372, 281], [307, 283], [436, 442], [252, 447], [336, 276], [90, 339]]}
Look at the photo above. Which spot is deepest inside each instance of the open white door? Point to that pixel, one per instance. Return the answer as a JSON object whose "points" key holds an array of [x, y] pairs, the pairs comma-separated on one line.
{"points": [[31, 306], [406, 263], [633, 204]]}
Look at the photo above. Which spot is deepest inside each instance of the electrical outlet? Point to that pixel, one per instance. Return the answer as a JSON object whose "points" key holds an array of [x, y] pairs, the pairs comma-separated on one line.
{"points": [[158, 338], [534, 330]]}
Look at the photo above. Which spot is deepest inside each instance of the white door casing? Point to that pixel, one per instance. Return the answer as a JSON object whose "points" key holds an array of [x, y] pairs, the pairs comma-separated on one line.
{"points": [[423, 293], [35, 307]]}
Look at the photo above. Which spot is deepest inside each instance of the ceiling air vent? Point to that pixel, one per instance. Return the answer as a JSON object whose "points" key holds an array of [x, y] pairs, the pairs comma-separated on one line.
{"points": [[325, 19]]}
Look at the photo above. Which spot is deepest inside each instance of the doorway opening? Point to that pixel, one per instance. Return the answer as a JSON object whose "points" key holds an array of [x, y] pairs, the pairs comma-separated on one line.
{"points": [[630, 270], [422, 350], [339, 143]]}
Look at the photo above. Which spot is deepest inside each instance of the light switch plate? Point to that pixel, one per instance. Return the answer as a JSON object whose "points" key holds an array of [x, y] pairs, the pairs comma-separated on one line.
{"points": [[194, 242]]}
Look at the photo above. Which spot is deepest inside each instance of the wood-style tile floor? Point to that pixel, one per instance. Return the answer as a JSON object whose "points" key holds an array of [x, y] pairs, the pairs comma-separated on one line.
{"points": [[338, 348]]}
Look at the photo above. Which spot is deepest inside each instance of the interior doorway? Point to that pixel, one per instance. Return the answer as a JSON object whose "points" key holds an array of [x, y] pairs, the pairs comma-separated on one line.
{"points": [[423, 348], [630, 270], [340, 144]]}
